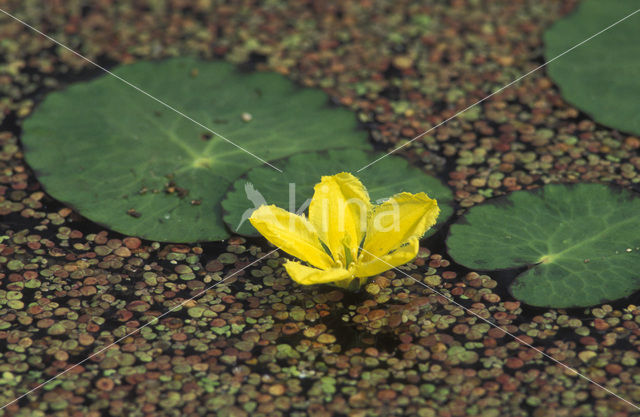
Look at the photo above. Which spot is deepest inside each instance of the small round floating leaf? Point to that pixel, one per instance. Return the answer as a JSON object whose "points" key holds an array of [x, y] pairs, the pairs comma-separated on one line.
{"points": [[601, 76], [125, 161], [302, 172], [581, 243]]}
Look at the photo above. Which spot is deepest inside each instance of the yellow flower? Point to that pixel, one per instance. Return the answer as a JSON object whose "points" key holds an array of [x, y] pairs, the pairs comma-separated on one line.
{"points": [[345, 236]]}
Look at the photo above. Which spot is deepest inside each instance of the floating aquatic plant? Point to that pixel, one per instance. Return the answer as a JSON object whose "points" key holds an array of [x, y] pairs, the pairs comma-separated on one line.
{"points": [[605, 87], [293, 188], [576, 245], [124, 161], [346, 239]]}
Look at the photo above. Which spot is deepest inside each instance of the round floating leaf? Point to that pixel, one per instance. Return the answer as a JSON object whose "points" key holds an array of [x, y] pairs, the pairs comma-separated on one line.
{"points": [[125, 161], [601, 76], [581, 243], [302, 172]]}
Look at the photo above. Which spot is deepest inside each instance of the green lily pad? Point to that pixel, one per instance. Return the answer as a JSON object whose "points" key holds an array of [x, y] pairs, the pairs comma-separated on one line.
{"points": [[123, 160], [601, 76], [302, 172], [580, 243]]}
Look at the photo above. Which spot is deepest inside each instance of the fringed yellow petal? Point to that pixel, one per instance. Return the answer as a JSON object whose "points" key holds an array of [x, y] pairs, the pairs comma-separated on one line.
{"points": [[291, 233], [306, 275], [378, 265], [340, 218], [396, 221], [339, 210]]}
